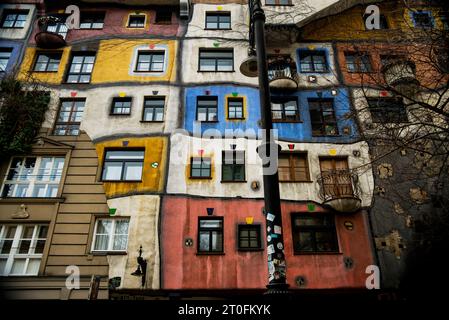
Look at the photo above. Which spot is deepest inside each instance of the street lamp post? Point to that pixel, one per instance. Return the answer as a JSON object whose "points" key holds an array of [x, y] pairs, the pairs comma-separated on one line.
{"points": [[268, 151]]}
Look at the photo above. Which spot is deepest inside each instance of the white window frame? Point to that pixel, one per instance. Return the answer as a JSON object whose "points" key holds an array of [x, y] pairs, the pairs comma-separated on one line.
{"points": [[32, 181], [110, 236], [14, 255]]}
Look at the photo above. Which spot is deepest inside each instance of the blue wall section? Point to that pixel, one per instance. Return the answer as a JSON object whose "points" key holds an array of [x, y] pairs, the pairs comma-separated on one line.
{"points": [[297, 132], [16, 53]]}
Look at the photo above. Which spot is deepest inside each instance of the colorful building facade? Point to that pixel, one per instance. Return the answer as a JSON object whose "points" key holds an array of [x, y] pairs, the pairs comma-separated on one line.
{"points": [[159, 188]]}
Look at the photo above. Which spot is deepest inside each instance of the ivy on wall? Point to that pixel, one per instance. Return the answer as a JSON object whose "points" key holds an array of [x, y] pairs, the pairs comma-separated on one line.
{"points": [[22, 111]]}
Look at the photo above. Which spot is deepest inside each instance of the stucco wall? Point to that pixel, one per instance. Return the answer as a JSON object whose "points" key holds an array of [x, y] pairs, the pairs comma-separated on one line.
{"points": [[143, 212], [183, 147]]}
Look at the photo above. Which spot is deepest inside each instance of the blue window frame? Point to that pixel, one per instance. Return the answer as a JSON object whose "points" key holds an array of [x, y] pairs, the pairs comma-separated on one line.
{"points": [[423, 19]]}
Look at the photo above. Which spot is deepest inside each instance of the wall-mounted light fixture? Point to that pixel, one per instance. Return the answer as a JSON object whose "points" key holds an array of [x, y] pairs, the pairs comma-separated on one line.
{"points": [[141, 270]]}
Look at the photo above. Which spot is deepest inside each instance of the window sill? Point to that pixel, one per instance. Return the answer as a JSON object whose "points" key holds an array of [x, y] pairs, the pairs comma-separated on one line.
{"points": [[233, 181], [251, 250], [280, 121], [148, 71], [236, 119], [122, 181], [217, 29], [215, 71], [210, 253], [316, 253], [30, 199], [200, 178], [208, 121], [120, 114], [109, 253], [143, 121], [36, 71]]}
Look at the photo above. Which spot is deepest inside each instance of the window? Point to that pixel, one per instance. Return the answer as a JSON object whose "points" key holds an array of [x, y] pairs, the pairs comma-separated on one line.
{"points": [[278, 2], [206, 109], [47, 62], [123, 165], [81, 68], [383, 23], [445, 20], [336, 177], [5, 54], [218, 20], [92, 20], [111, 235], [15, 19], [136, 21], [216, 60], [284, 109], [233, 166], [35, 177], [422, 19], [58, 28], [210, 235], [358, 62], [69, 118], [293, 167], [163, 16], [153, 109], [314, 233], [150, 61], [21, 249], [200, 167], [322, 117], [249, 237], [121, 106], [387, 110], [235, 109], [313, 61]]}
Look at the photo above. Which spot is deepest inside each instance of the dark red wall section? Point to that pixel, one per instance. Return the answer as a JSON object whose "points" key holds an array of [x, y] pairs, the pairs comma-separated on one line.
{"points": [[182, 268]]}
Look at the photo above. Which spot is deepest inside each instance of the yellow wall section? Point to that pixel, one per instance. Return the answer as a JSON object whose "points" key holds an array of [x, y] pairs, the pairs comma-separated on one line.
{"points": [[48, 77], [349, 25], [152, 178], [115, 61]]}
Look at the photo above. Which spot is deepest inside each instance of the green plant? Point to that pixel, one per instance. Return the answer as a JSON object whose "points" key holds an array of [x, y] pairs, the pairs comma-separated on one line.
{"points": [[22, 110]]}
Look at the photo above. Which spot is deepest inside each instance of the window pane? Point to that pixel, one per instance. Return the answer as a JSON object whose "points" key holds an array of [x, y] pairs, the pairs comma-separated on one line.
{"points": [[120, 242], [33, 266], [204, 241], [112, 171], [305, 241], [133, 171], [125, 155], [101, 242], [18, 266], [104, 227], [211, 223], [217, 241]]}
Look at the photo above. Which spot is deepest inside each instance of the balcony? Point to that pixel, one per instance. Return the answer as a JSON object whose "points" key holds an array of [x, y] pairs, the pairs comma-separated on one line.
{"points": [[401, 75], [53, 31], [282, 73], [340, 190]]}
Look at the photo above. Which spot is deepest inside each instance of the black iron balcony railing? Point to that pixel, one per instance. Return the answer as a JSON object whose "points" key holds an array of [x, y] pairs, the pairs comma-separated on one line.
{"points": [[282, 73], [53, 32], [340, 189], [401, 75]]}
